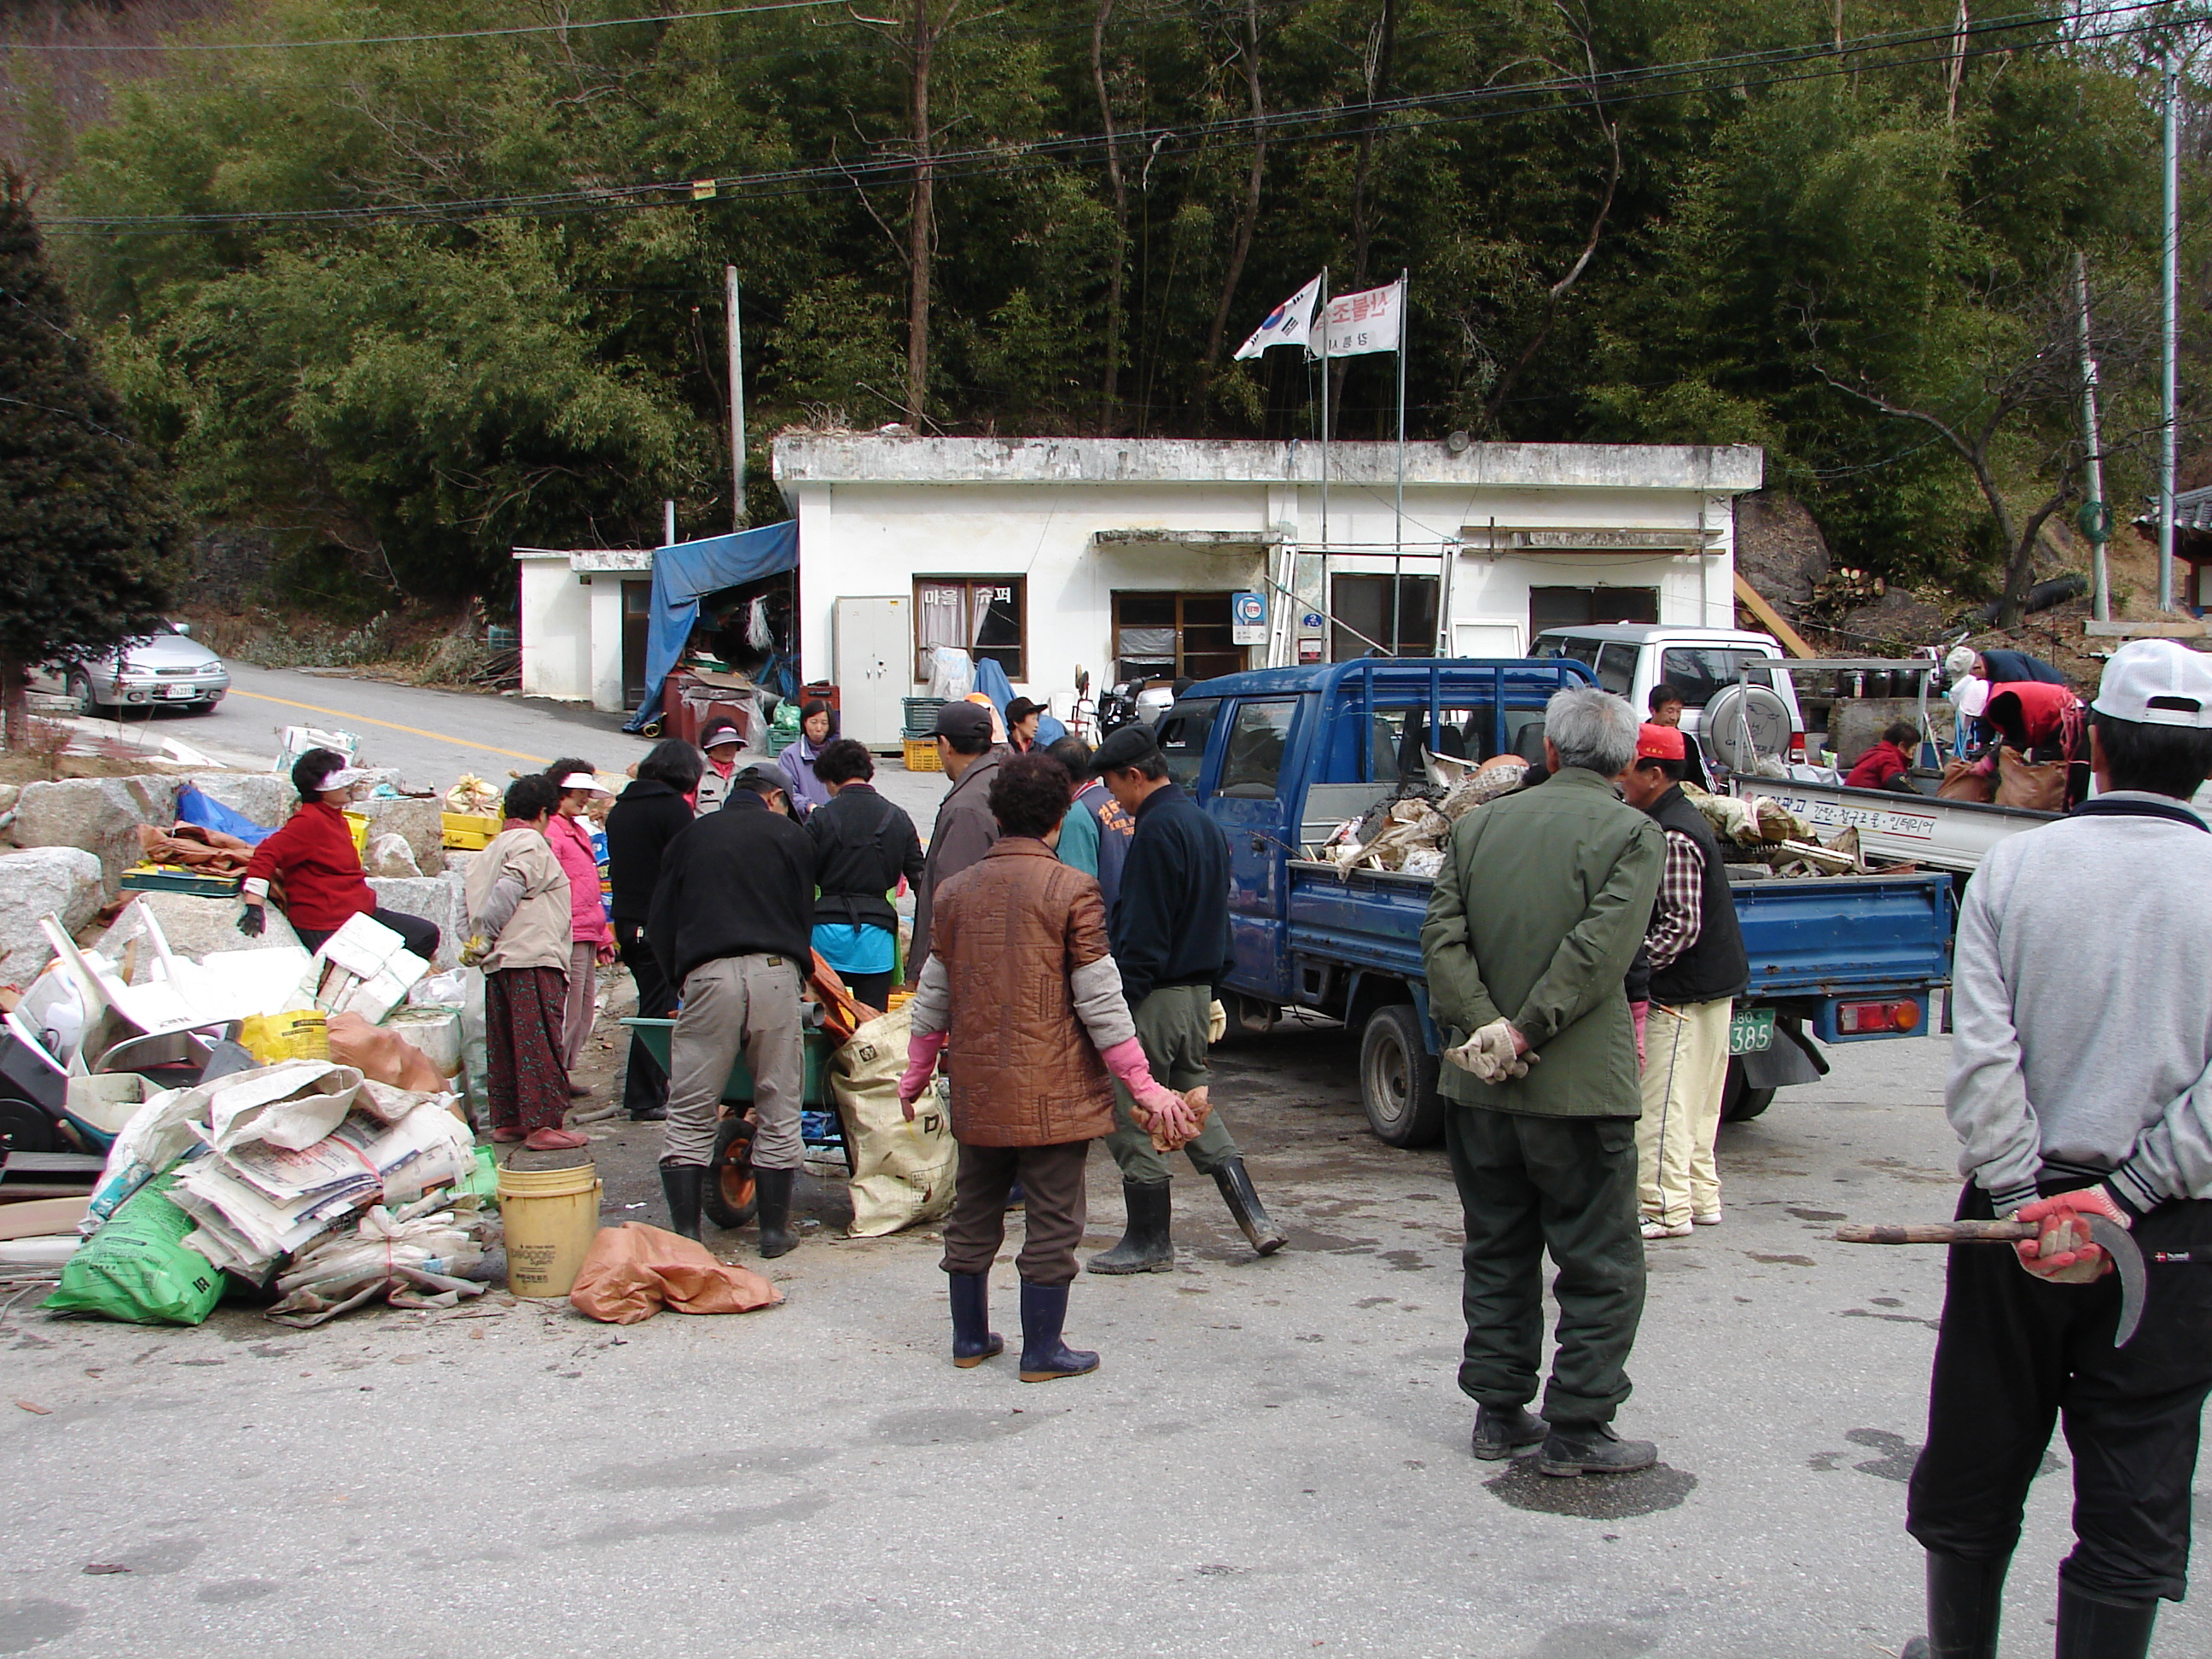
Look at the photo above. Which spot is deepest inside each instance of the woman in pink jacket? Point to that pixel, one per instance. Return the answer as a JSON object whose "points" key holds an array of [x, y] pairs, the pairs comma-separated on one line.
{"points": [[592, 936]]}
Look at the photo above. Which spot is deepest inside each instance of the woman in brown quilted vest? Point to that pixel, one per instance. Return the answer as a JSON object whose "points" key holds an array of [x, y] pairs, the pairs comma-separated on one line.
{"points": [[1021, 992]]}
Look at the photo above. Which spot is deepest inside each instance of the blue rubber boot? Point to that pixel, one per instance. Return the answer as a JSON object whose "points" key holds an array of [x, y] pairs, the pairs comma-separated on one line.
{"points": [[974, 1341], [1045, 1358]]}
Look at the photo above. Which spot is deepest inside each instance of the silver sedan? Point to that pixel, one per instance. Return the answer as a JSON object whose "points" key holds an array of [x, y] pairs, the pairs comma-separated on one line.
{"points": [[166, 669]]}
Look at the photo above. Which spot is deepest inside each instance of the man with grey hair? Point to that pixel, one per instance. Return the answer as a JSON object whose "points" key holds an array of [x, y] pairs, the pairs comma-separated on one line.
{"points": [[1537, 912]]}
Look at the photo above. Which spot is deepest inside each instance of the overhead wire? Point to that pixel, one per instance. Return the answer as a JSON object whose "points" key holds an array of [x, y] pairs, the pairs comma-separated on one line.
{"points": [[570, 28]]}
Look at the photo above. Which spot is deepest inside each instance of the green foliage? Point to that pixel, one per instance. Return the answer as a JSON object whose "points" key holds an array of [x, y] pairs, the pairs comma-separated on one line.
{"points": [[401, 401], [85, 524]]}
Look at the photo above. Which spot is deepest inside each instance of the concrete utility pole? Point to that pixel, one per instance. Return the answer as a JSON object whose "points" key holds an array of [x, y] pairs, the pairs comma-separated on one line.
{"points": [[2100, 585], [737, 401], [2169, 436], [668, 524]]}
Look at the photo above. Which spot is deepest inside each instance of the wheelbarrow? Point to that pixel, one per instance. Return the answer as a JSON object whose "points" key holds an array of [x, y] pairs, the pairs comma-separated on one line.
{"points": [[729, 1200]]}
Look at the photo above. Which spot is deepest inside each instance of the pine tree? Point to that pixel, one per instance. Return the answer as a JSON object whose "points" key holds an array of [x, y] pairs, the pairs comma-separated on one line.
{"points": [[86, 523]]}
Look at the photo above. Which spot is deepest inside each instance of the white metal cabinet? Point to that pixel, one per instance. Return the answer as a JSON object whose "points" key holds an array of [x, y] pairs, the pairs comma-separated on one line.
{"points": [[872, 642]]}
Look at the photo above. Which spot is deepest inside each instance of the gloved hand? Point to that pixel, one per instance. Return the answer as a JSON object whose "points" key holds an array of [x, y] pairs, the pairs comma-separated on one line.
{"points": [[1158, 1108], [252, 920], [921, 1053], [1216, 1024], [475, 950], [1493, 1054], [2061, 1253]]}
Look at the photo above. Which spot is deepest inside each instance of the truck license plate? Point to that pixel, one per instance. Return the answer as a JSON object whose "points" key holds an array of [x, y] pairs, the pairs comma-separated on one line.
{"points": [[1752, 1032]]}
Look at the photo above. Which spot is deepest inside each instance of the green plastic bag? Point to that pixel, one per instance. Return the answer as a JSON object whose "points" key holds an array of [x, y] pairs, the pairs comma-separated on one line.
{"points": [[484, 1180], [136, 1268]]}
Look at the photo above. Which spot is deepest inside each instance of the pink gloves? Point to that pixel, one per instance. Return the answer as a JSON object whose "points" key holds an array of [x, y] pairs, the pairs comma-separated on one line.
{"points": [[1161, 1112], [921, 1053], [2062, 1252]]}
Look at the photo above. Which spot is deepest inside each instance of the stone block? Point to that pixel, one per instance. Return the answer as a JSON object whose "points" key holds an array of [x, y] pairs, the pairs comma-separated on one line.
{"points": [[100, 815], [267, 798], [434, 898], [421, 821], [1856, 724], [9, 794], [195, 927], [58, 881]]}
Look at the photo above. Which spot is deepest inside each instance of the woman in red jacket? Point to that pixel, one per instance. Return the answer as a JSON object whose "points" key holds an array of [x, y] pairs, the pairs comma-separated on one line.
{"points": [[591, 938], [314, 858], [1888, 764]]}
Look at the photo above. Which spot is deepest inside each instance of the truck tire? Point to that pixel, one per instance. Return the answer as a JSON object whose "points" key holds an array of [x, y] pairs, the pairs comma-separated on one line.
{"points": [[1398, 1079], [1740, 1102]]}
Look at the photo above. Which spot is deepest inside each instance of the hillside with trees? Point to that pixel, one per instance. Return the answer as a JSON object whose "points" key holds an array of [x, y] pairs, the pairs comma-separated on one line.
{"points": [[401, 291]]}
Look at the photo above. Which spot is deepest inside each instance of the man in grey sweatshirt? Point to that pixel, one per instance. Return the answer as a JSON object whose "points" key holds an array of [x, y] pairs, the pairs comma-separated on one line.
{"points": [[2082, 1083]]}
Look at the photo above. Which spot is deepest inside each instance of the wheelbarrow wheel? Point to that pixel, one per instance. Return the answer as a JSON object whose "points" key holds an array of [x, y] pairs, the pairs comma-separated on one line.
{"points": [[729, 1199]]}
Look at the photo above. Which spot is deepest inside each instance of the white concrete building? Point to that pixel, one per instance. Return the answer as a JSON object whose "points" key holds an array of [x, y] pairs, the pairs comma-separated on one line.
{"points": [[1122, 555], [582, 615]]}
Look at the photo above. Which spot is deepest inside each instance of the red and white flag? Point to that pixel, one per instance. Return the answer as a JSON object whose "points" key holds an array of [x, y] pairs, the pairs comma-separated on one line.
{"points": [[1373, 320]]}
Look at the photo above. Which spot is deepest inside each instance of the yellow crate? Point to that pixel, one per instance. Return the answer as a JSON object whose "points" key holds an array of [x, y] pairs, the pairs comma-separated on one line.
{"points": [[469, 832], [921, 754], [358, 822]]}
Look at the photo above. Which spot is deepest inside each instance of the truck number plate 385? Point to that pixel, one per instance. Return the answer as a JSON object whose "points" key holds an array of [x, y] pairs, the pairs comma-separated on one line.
{"points": [[1751, 1031]]}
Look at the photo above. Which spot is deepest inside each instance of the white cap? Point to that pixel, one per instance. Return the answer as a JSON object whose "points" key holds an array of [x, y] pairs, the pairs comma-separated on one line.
{"points": [[1960, 661], [2157, 683], [586, 780], [344, 778]]}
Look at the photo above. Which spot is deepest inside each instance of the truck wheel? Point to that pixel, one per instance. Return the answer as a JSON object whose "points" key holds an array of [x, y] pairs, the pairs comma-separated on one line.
{"points": [[729, 1199], [1398, 1079], [1740, 1102]]}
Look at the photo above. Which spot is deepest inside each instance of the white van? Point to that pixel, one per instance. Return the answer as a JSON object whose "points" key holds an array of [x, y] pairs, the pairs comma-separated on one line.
{"points": [[1629, 659]]}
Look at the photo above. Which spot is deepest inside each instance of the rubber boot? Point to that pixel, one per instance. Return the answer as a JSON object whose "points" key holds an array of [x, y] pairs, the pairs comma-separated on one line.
{"points": [[682, 1184], [1045, 1358], [974, 1341], [773, 1187], [2091, 1629], [1966, 1599], [1146, 1246], [1572, 1448], [1503, 1432], [1236, 1184]]}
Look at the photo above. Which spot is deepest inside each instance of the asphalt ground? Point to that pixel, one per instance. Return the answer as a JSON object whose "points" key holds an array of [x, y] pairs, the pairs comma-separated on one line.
{"points": [[1272, 1461]]}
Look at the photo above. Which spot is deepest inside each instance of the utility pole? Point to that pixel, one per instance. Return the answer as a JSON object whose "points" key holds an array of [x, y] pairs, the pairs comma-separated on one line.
{"points": [[2096, 516], [668, 524], [737, 401], [2169, 436]]}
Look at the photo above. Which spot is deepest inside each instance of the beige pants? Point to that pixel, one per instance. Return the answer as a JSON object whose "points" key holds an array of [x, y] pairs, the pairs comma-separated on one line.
{"points": [[583, 1001], [1686, 1055], [734, 1004]]}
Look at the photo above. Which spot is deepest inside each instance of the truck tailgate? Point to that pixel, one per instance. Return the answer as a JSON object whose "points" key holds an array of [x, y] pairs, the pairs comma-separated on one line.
{"points": [[1836, 935], [1365, 918]]}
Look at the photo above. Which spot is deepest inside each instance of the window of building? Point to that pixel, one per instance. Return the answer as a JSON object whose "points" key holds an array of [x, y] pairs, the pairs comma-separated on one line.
{"points": [[984, 615], [1165, 636], [1397, 612], [1254, 762], [1580, 607]]}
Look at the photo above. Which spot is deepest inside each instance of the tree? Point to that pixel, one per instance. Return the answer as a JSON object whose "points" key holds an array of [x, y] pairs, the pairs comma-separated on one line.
{"points": [[86, 523]]}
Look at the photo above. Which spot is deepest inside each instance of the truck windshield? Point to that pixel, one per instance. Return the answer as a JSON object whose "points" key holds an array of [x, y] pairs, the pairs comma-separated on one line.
{"points": [[1182, 732], [1701, 673]]}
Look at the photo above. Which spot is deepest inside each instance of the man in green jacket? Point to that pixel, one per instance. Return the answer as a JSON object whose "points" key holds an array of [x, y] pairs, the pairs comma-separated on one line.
{"points": [[1543, 899]]}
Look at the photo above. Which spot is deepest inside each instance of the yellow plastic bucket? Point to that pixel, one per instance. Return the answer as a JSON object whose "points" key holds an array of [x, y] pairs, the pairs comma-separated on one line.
{"points": [[551, 1216]]}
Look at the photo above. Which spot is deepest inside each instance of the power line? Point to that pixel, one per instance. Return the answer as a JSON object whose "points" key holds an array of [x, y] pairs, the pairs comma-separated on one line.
{"points": [[418, 40], [1611, 89]]}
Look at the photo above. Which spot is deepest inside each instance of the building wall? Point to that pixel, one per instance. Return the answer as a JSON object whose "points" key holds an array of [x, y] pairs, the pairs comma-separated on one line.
{"points": [[555, 614]]}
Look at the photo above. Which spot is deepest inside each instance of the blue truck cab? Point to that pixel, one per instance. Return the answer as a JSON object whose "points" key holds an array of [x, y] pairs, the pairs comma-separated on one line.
{"points": [[1281, 757]]}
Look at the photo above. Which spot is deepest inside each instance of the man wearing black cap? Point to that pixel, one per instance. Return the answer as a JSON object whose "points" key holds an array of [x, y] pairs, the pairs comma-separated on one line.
{"points": [[1169, 928], [732, 925], [964, 828]]}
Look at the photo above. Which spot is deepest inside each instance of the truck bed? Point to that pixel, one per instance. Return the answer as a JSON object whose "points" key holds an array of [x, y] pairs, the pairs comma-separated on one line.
{"points": [[1832, 936], [1943, 835]]}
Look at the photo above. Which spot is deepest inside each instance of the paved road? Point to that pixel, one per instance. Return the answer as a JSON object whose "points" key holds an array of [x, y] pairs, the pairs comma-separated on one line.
{"points": [[1273, 1462]]}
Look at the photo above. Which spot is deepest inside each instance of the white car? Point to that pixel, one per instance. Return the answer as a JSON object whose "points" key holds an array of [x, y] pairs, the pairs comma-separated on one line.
{"points": [[1629, 659], [166, 669]]}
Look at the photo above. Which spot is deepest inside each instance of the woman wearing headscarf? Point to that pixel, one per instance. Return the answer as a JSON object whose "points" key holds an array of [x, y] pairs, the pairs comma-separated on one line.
{"points": [[591, 939], [818, 724], [314, 863]]}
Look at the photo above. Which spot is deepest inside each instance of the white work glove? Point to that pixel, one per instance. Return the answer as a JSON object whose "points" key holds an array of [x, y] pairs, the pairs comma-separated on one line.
{"points": [[1216, 1024], [1489, 1054]]}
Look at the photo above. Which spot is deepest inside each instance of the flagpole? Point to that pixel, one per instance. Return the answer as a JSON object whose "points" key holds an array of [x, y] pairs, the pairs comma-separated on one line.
{"points": [[1324, 423], [1405, 307]]}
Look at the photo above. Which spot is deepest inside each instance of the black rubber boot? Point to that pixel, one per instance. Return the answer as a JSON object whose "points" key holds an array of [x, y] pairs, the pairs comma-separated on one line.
{"points": [[1592, 1448], [1965, 1600], [974, 1341], [1045, 1358], [1236, 1184], [1146, 1246], [682, 1183], [773, 1187], [2091, 1629], [1501, 1431]]}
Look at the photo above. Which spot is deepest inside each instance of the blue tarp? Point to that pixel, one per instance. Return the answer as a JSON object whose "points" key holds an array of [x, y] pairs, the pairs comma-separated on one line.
{"points": [[991, 680], [193, 807], [686, 573]]}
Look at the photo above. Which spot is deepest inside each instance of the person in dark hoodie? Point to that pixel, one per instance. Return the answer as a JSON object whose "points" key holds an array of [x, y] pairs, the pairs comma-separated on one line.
{"points": [[650, 813], [731, 923], [1169, 933], [863, 844]]}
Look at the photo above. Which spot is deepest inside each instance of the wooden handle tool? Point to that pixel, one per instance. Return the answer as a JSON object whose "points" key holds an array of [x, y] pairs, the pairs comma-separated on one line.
{"points": [[1936, 1232]]}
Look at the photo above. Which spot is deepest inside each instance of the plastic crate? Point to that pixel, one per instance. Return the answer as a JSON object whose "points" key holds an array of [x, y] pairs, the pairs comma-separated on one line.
{"points": [[469, 832], [779, 741], [168, 878], [920, 713], [358, 824], [921, 754]]}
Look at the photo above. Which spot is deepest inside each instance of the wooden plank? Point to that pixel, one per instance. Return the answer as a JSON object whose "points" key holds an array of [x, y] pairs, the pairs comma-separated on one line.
{"points": [[2145, 630], [1791, 642]]}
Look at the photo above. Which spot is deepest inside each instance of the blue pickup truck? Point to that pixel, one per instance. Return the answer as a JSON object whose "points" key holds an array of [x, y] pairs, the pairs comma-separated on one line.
{"points": [[1281, 757]]}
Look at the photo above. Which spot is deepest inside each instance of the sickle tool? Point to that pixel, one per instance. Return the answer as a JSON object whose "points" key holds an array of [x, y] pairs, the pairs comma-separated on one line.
{"points": [[2106, 1234]]}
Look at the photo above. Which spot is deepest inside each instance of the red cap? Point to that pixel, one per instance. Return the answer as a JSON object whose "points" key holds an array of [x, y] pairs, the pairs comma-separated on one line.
{"points": [[1660, 742]]}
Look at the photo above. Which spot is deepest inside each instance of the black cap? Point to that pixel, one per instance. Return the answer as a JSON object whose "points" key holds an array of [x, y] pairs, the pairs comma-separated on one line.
{"points": [[1020, 709], [963, 719], [1124, 746], [717, 732], [756, 777]]}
